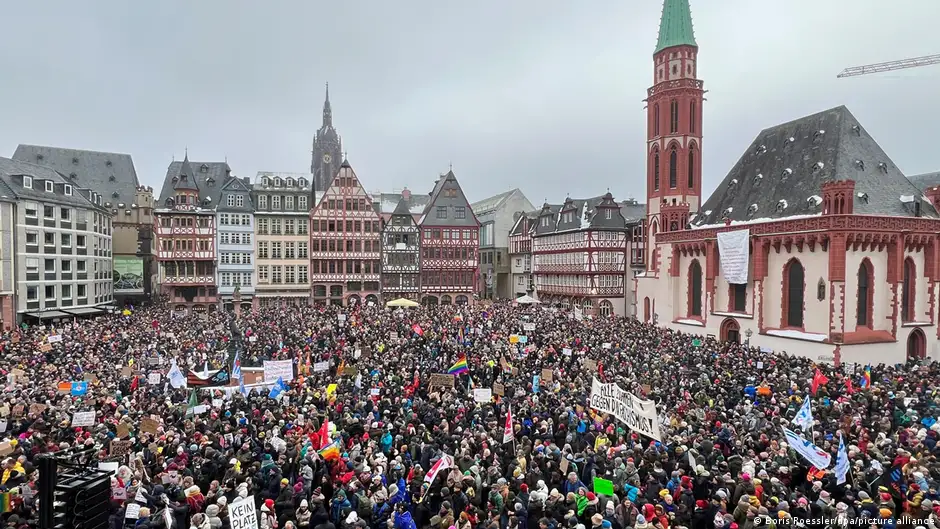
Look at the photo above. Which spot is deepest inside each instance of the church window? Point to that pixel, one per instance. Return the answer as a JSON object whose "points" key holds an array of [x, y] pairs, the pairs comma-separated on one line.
{"points": [[692, 116], [673, 170], [674, 116], [864, 303], [739, 297], [695, 288], [656, 119], [793, 286], [656, 171], [907, 290], [692, 167]]}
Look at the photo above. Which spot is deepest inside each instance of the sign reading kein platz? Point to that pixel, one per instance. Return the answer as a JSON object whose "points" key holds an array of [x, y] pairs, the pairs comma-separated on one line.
{"points": [[638, 414], [243, 515]]}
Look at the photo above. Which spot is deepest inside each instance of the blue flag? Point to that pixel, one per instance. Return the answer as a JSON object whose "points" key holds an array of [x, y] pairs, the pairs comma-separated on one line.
{"points": [[237, 366], [241, 387], [804, 417], [279, 387], [79, 389], [842, 462]]}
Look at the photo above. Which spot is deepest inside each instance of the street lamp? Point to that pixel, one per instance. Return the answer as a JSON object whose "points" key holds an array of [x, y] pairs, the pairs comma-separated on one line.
{"points": [[747, 337]]}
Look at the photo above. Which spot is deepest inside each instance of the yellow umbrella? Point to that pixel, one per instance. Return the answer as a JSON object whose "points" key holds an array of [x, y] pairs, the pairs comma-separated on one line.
{"points": [[402, 302]]}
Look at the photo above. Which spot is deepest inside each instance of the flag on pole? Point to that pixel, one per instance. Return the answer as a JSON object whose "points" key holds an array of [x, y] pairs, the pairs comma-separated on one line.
{"points": [[842, 462], [508, 434], [804, 417], [865, 382], [815, 455], [205, 369], [330, 451], [193, 402], [819, 379], [692, 462], [241, 387], [459, 367], [443, 463], [279, 387], [324, 434], [176, 376], [237, 366]]}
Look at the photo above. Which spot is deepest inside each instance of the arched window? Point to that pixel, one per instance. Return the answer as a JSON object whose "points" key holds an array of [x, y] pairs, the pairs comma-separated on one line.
{"points": [[907, 291], [674, 116], [692, 116], [673, 161], [656, 171], [656, 119], [793, 286], [606, 308], [695, 288], [865, 301], [692, 167]]}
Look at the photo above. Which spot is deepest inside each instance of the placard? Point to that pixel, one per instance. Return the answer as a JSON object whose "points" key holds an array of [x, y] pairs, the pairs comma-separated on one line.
{"points": [[126, 372], [132, 512], [482, 395], [83, 418], [319, 367], [120, 448], [153, 378], [443, 380], [54, 338], [217, 403], [149, 425], [19, 410], [36, 408], [45, 347], [590, 365], [275, 369], [639, 414], [109, 466], [499, 389], [566, 351], [242, 514], [528, 327], [350, 371], [375, 392], [563, 466], [606, 345], [252, 339], [547, 374], [122, 431], [393, 335]]}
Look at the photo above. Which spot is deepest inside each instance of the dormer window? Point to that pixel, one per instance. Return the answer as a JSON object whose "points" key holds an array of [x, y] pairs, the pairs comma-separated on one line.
{"points": [[787, 172], [108, 163], [818, 166], [302, 182], [265, 182], [68, 190], [277, 182], [73, 176], [169, 202], [814, 200], [860, 165], [175, 179], [115, 194], [727, 213], [50, 187], [733, 182], [28, 182], [210, 182], [789, 142], [818, 135], [863, 197], [112, 178], [883, 166], [290, 182], [758, 179], [781, 205], [751, 210], [203, 168], [857, 130], [761, 149]]}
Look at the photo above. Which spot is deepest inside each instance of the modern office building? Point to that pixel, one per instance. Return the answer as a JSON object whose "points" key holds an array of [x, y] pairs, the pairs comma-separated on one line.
{"points": [[497, 216], [113, 176], [60, 240], [282, 213]]}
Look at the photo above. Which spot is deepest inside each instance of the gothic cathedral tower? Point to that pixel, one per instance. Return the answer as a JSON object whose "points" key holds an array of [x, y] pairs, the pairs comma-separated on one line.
{"points": [[327, 149], [674, 124]]}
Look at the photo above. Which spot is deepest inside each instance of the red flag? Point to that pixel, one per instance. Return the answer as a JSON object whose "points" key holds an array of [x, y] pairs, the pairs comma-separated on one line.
{"points": [[508, 434], [848, 386], [324, 434], [819, 379], [418, 330], [134, 384]]}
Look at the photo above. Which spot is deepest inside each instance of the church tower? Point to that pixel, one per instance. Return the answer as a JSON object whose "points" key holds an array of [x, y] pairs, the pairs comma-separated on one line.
{"points": [[674, 124], [327, 149]]}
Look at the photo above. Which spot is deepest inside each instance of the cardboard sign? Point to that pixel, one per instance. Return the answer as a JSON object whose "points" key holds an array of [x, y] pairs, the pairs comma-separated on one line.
{"points": [[563, 466], [90, 377], [122, 431], [126, 372], [36, 408], [132, 512], [590, 365], [149, 425], [393, 335], [120, 448], [482, 395], [547, 374], [566, 351], [527, 327], [19, 410], [499, 389], [242, 514], [321, 366], [350, 371], [153, 378], [54, 338], [442, 380], [45, 347]]}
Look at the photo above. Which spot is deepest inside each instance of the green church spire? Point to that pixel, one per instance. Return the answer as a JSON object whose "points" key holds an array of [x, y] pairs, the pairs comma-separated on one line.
{"points": [[675, 28]]}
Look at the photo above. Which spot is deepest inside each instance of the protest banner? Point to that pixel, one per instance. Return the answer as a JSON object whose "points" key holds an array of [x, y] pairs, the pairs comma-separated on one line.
{"points": [[640, 415], [83, 418], [274, 369]]}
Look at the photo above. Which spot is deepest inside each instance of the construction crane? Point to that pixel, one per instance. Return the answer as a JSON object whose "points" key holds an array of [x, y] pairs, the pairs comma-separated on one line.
{"points": [[889, 66]]}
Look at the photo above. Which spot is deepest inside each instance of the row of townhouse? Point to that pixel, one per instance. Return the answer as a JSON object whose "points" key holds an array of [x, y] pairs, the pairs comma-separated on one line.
{"points": [[225, 242]]}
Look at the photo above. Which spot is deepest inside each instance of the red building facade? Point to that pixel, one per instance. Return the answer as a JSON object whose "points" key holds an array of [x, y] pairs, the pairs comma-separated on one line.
{"points": [[450, 234], [345, 243]]}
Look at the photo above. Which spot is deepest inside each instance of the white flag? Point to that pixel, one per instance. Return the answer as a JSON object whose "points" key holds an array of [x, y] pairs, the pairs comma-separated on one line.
{"points": [[842, 462], [692, 461], [815, 455], [804, 417], [177, 379], [508, 434], [443, 463]]}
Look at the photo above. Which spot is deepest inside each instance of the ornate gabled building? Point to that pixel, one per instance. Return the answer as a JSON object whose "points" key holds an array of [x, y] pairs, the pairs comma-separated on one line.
{"points": [[520, 253], [236, 226], [327, 150], [401, 272], [345, 243], [185, 226], [450, 235], [579, 254]]}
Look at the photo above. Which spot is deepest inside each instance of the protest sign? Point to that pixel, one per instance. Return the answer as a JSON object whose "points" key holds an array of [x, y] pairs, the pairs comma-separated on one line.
{"points": [[640, 415], [321, 366], [440, 379], [499, 389], [547, 374], [83, 418], [242, 514], [274, 369], [482, 395]]}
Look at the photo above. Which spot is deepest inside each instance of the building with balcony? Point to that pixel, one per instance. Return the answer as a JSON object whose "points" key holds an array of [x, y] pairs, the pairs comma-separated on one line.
{"points": [[579, 254], [185, 225], [450, 235], [401, 257], [282, 215], [236, 231], [113, 176], [520, 254], [496, 215], [60, 239], [345, 243]]}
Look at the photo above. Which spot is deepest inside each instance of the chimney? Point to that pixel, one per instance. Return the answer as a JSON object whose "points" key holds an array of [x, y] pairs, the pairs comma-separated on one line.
{"points": [[406, 194]]}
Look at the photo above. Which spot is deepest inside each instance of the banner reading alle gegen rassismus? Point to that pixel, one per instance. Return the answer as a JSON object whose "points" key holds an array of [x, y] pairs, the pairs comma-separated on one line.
{"points": [[640, 415]]}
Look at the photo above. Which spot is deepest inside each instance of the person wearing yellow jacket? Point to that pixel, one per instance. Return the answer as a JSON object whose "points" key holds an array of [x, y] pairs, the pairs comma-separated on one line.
{"points": [[11, 465]]}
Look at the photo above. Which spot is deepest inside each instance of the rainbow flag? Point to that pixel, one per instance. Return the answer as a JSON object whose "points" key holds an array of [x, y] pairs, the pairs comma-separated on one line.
{"points": [[865, 382], [330, 451], [460, 366], [6, 502]]}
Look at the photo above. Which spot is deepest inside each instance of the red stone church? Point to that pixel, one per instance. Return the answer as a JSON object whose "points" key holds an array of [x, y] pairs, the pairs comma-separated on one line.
{"points": [[828, 250]]}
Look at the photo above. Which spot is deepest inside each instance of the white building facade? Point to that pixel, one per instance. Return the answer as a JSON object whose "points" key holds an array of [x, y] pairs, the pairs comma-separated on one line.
{"points": [[236, 231]]}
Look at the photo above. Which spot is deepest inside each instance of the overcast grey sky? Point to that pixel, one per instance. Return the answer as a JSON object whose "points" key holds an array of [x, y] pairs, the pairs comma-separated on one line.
{"points": [[544, 95]]}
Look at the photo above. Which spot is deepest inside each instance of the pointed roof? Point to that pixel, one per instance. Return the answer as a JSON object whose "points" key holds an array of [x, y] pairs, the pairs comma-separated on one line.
{"points": [[185, 179], [675, 26], [327, 109], [402, 208]]}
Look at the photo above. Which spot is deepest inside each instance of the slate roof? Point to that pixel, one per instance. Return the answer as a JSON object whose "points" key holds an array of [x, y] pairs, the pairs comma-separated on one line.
{"points": [[782, 172], [105, 173], [203, 172], [925, 181], [14, 189], [437, 199], [586, 216], [387, 203], [675, 26], [487, 205]]}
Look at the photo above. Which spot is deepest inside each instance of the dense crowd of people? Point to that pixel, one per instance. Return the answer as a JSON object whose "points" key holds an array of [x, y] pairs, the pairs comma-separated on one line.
{"points": [[351, 446]]}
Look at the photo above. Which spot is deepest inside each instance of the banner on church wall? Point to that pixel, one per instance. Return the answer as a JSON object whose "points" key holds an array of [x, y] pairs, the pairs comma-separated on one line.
{"points": [[735, 258]]}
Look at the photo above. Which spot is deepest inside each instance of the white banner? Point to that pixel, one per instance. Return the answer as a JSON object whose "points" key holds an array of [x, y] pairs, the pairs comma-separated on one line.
{"points": [[83, 418], [53, 338], [321, 366], [638, 414], [483, 395], [242, 514], [733, 251], [273, 369]]}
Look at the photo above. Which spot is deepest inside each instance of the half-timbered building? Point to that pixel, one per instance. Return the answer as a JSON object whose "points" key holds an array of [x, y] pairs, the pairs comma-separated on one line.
{"points": [[345, 243], [401, 272], [520, 253], [185, 225], [450, 235], [579, 254]]}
